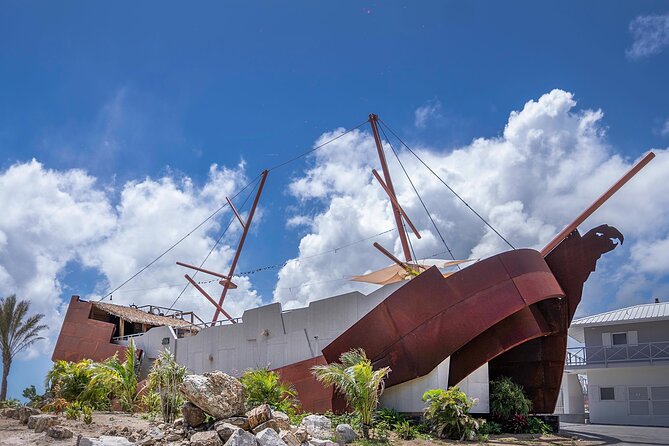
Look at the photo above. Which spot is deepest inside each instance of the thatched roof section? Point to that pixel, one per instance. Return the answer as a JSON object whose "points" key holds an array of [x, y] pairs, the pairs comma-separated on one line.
{"points": [[139, 316]]}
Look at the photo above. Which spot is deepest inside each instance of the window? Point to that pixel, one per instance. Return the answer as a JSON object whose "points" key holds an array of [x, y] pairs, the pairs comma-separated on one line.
{"points": [[607, 394], [638, 393], [639, 408], [619, 338], [660, 397]]}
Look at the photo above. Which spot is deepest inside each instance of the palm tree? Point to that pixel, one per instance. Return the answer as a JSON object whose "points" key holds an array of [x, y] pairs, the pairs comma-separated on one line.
{"points": [[16, 333], [355, 378], [118, 378]]}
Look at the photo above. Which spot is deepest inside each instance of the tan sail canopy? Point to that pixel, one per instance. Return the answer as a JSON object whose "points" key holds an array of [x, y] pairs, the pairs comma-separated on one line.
{"points": [[396, 273]]}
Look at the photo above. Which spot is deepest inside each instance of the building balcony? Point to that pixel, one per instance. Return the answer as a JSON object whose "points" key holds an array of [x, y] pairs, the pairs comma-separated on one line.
{"points": [[617, 355]]}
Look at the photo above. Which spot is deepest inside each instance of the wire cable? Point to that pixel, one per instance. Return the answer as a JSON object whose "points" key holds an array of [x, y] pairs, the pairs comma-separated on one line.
{"points": [[445, 184], [320, 146], [215, 244], [145, 267], [434, 224]]}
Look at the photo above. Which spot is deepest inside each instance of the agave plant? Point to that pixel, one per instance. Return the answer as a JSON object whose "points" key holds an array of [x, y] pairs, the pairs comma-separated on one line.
{"points": [[355, 378], [263, 386], [165, 376], [118, 378]]}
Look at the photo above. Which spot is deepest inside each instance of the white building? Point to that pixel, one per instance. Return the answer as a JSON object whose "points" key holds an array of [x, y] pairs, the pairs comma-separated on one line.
{"points": [[625, 361]]}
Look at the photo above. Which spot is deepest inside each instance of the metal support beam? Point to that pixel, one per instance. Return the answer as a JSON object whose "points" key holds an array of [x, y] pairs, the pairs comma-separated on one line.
{"points": [[388, 254], [202, 270], [226, 286], [389, 182], [234, 209], [598, 202], [395, 202], [209, 298]]}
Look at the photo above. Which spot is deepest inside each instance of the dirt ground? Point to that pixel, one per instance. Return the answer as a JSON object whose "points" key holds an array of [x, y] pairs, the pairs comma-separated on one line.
{"points": [[12, 433], [16, 434]]}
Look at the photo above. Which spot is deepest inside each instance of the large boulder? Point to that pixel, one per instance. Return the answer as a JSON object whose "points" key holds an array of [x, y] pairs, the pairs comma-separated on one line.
{"points": [[241, 438], [269, 437], [240, 422], [206, 438], [193, 415], [259, 415], [217, 393], [289, 438], [318, 426], [26, 412]]}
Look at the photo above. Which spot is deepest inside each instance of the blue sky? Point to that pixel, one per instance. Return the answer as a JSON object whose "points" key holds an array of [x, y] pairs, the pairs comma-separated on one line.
{"points": [[144, 98]]}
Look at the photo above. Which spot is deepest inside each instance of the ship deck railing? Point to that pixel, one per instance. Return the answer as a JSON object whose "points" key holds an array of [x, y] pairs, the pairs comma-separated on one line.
{"points": [[603, 356]]}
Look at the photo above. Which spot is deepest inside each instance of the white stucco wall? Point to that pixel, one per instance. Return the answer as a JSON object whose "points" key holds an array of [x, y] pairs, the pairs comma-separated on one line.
{"points": [[617, 411]]}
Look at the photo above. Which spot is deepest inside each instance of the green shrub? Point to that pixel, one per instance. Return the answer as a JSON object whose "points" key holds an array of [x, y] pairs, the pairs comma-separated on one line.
{"points": [[11, 402], [537, 426], [507, 399], [390, 416], [447, 413], [490, 428], [350, 418], [113, 377], [164, 379], [88, 414], [73, 411], [405, 430], [263, 386]]}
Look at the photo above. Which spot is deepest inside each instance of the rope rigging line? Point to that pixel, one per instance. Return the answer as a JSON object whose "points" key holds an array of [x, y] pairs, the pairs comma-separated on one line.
{"points": [[320, 146], [434, 224], [445, 184], [145, 267], [216, 244], [148, 265]]}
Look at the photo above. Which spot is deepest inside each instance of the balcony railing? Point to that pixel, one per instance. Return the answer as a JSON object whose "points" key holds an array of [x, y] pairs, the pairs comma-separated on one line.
{"points": [[599, 355]]}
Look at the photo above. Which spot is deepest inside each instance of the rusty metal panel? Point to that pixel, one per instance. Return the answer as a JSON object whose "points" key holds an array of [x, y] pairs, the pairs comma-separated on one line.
{"points": [[431, 317]]}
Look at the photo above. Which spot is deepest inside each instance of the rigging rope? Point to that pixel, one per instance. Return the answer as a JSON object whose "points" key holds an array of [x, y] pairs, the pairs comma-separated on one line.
{"points": [[215, 244], [418, 195], [445, 184]]}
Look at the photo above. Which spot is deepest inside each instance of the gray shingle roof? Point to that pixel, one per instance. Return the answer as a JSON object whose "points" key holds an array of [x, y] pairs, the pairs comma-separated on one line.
{"points": [[635, 313]]}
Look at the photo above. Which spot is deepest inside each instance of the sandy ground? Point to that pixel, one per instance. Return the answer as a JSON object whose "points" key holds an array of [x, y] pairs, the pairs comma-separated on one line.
{"points": [[105, 423], [14, 433]]}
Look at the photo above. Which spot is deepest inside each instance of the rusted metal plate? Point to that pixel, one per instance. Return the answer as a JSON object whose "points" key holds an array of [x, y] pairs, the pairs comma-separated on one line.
{"points": [[431, 317], [538, 363]]}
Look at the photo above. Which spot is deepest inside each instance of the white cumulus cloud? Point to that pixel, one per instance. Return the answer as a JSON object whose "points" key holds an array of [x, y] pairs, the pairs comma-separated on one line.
{"points": [[551, 161]]}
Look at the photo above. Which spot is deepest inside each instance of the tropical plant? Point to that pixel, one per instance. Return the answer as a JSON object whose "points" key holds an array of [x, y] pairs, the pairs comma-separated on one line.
{"points": [[117, 378], [360, 384], [447, 413], [17, 332], [352, 419], [390, 416], [12, 402], [88, 414], [491, 428], [165, 376], [405, 430], [507, 399], [69, 380], [263, 386], [57, 405], [73, 411], [517, 424], [30, 393], [537, 426]]}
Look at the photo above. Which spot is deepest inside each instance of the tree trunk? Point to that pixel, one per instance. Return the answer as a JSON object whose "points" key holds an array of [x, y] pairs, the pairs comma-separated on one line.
{"points": [[6, 364]]}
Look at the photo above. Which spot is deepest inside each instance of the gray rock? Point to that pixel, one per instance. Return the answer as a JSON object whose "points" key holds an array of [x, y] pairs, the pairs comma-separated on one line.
{"points": [[218, 394], [59, 432], [269, 437], [42, 422], [240, 422], [193, 415], [104, 440], [241, 438], [301, 434], [319, 442], [269, 424], [174, 436], [277, 414], [206, 438], [318, 426], [259, 415], [289, 438], [9, 412], [26, 412], [225, 430], [344, 434], [178, 422], [147, 441]]}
